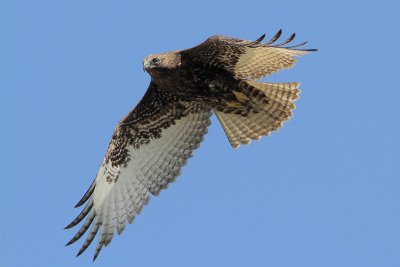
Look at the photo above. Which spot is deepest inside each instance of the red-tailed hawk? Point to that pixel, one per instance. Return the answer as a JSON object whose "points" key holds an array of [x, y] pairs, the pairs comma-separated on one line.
{"points": [[152, 143]]}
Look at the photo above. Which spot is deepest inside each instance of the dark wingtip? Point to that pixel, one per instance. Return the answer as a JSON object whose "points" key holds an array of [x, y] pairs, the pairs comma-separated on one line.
{"points": [[95, 256], [274, 38], [81, 251], [87, 195], [98, 249], [256, 42], [307, 50], [69, 226], [82, 201], [260, 39], [288, 40], [82, 215], [294, 46], [69, 243]]}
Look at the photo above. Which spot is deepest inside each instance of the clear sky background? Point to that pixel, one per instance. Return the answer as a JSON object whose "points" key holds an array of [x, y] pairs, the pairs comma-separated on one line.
{"points": [[324, 191]]}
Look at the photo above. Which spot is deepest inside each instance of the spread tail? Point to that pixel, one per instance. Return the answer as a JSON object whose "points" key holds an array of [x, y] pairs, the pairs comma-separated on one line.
{"points": [[272, 105]]}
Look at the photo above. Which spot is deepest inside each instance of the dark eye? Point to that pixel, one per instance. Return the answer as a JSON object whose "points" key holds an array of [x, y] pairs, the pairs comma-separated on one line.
{"points": [[156, 60]]}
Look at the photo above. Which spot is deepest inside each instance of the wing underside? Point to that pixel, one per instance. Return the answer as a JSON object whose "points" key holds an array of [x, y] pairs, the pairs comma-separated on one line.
{"points": [[119, 192]]}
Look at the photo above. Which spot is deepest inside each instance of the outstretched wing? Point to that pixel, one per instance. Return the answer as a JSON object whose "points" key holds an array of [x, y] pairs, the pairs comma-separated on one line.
{"points": [[146, 153], [247, 59]]}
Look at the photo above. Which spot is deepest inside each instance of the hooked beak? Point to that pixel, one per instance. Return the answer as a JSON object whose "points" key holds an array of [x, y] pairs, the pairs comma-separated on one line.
{"points": [[147, 64]]}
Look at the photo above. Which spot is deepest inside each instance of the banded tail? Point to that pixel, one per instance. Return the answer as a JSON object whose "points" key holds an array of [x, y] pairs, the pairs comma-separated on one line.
{"points": [[272, 105]]}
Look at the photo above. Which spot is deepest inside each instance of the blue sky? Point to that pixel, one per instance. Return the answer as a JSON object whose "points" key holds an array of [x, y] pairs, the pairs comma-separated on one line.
{"points": [[324, 191]]}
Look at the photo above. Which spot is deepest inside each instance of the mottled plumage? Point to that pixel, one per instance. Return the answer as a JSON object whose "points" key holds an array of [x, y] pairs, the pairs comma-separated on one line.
{"points": [[151, 144]]}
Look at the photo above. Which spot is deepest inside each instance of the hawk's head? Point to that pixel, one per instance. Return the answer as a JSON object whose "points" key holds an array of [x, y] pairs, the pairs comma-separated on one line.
{"points": [[156, 63]]}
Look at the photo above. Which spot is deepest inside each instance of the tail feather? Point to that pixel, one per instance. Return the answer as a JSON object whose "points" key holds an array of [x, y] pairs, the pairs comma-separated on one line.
{"points": [[272, 105], [241, 130], [287, 91]]}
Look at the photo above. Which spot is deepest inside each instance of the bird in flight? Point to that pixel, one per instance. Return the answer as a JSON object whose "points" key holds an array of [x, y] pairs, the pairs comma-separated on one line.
{"points": [[152, 142]]}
